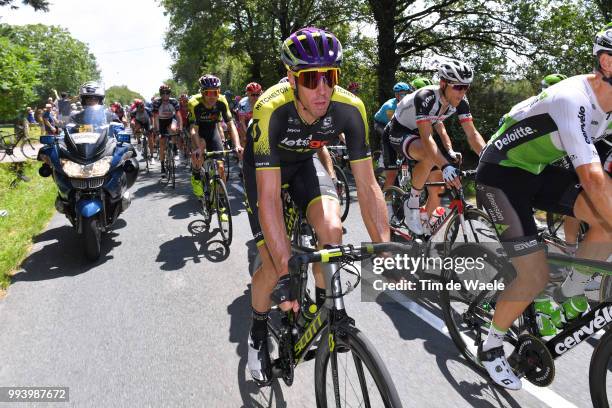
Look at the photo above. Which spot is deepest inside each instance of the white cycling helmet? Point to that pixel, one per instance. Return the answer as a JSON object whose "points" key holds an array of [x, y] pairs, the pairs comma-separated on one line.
{"points": [[455, 71], [603, 40]]}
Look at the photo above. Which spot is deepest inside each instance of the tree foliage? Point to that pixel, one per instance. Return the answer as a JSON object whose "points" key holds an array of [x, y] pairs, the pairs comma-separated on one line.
{"points": [[122, 94], [19, 73], [510, 44], [42, 5], [66, 61]]}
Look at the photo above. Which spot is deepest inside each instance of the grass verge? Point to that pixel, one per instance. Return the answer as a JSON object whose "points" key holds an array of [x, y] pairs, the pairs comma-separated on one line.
{"points": [[29, 206]]}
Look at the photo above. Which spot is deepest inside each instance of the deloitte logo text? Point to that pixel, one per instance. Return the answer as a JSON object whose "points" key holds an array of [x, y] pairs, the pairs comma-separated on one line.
{"points": [[516, 134]]}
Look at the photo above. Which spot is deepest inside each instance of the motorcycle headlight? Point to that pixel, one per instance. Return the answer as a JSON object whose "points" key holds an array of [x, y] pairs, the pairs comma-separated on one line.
{"points": [[95, 169]]}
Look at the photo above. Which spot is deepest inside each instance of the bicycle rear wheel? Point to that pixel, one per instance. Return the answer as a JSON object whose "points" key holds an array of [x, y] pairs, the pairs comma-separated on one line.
{"points": [[601, 364], [468, 311], [395, 196], [224, 212], [342, 189], [28, 148], [353, 375]]}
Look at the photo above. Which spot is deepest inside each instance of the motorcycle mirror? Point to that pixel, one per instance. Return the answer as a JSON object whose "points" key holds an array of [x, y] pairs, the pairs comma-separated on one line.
{"points": [[47, 140], [123, 137]]}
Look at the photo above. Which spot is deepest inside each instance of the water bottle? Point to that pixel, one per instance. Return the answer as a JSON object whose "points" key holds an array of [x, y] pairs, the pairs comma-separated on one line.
{"points": [[575, 306], [437, 213], [549, 316], [307, 315], [405, 177]]}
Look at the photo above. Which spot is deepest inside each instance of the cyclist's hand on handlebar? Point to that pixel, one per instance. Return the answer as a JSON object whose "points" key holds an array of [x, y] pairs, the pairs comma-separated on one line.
{"points": [[239, 151], [455, 156], [450, 174], [281, 295]]}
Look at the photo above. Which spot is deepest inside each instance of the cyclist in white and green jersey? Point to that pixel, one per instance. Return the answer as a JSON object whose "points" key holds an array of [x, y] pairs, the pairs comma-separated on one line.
{"points": [[514, 176]]}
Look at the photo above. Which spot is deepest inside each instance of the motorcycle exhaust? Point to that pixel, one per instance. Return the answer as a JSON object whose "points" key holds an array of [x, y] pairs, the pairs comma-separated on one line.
{"points": [[126, 200]]}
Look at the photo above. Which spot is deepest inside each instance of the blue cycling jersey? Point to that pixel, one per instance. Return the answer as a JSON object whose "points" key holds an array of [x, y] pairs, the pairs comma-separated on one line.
{"points": [[381, 115]]}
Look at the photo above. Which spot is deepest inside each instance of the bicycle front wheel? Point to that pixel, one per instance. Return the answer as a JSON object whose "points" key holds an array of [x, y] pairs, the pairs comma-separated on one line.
{"points": [[353, 374], [601, 364], [477, 227], [342, 189], [28, 149], [467, 310], [224, 212]]}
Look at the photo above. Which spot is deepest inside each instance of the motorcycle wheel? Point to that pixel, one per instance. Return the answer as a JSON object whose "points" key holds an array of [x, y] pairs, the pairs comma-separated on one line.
{"points": [[91, 235]]}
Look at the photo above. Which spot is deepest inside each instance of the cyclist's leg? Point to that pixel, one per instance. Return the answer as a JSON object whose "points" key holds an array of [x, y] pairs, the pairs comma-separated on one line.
{"points": [[197, 158], [314, 192], [389, 160], [571, 228], [507, 196], [263, 282], [597, 243], [215, 144], [433, 192]]}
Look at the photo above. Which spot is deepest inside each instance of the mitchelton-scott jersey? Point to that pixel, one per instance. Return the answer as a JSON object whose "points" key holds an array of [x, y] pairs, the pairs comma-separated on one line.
{"points": [[278, 136]]}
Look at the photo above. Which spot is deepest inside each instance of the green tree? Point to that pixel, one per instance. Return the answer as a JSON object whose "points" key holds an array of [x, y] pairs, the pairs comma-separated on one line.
{"points": [[410, 32], [122, 94], [42, 5], [66, 61], [19, 73]]}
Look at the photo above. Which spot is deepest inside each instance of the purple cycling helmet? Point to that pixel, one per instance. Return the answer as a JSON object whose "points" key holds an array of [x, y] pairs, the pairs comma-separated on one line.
{"points": [[209, 82], [311, 47]]}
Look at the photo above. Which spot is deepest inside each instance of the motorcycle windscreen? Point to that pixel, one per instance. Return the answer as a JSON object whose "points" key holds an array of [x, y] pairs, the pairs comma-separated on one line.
{"points": [[87, 134]]}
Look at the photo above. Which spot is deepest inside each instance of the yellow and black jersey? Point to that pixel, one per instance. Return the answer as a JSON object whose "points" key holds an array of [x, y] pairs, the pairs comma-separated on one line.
{"points": [[278, 137], [207, 118]]}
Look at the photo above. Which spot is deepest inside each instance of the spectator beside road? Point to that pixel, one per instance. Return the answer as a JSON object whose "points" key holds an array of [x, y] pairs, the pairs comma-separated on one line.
{"points": [[63, 107], [49, 120], [30, 116]]}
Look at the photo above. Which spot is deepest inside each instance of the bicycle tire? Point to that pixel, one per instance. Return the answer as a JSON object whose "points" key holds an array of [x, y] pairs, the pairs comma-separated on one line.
{"points": [[27, 149], [2, 154], [172, 167], [470, 214], [145, 152], [601, 360], [481, 309], [223, 201], [396, 196], [344, 194], [352, 342]]}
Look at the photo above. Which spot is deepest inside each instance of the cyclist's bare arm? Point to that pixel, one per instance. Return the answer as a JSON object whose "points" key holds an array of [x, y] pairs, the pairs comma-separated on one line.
{"points": [[444, 137], [598, 187], [271, 218], [431, 149], [474, 138], [371, 201], [326, 161], [156, 121], [235, 137]]}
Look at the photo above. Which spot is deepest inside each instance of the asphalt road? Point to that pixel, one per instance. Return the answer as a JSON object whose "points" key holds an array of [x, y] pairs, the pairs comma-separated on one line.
{"points": [[162, 320]]}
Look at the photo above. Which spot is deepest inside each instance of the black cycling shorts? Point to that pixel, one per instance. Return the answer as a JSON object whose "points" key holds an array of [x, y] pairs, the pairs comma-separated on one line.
{"points": [[212, 140], [509, 195], [146, 126], [396, 143], [308, 181], [164, 126]]}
